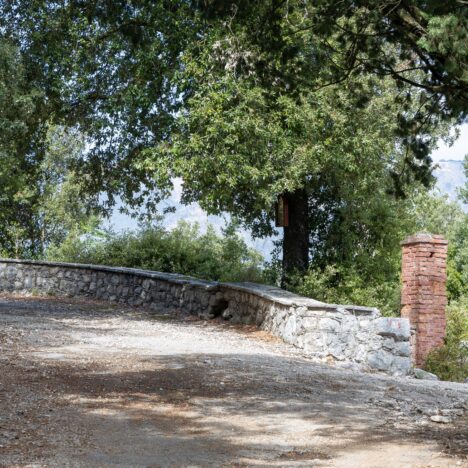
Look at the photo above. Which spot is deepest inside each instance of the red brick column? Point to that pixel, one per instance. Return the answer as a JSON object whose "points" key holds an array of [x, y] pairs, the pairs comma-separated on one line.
{"points": [[424, 296]]}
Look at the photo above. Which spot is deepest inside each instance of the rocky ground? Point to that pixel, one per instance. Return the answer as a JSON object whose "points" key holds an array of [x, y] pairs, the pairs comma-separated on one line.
{"points": [[92, 384]]}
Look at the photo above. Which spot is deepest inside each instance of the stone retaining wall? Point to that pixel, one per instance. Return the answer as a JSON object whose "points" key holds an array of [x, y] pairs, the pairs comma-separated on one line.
{"points": [[346, 335]]}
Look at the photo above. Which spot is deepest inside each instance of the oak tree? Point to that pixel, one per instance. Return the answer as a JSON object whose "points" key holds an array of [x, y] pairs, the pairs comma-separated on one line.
{"points": [[324, 102]]}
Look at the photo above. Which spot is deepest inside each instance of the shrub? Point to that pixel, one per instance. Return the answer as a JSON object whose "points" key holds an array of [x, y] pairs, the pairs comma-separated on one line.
{"points": [[341, 285], [183, 250], [450, 361]]}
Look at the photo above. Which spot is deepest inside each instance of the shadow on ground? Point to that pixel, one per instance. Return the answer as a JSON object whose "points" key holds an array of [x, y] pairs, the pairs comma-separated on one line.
{"points": [[215, 408]]}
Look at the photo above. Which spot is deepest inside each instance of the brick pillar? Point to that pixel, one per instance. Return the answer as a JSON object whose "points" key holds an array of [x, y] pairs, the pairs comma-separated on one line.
{"points": [[424, 296]]}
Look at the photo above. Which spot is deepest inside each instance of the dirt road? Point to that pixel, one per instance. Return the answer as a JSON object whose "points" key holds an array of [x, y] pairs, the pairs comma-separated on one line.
{"points": [[96, 385]]}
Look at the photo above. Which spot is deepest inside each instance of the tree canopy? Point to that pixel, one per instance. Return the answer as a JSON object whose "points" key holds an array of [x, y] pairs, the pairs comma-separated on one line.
{"points": [[328, 103], [21, 147], [40, 200]]}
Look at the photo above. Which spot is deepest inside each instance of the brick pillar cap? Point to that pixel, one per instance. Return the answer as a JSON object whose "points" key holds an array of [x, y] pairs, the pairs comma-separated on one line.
{"points": [[424, 238]]}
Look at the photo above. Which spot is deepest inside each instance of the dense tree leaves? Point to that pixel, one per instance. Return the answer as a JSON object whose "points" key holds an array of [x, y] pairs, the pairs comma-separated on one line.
{"points": [[40, 197], [249, 99], [107, 67], [428, 35], [262, 84], [43, 206], [384, 37], [61, 208], [240, 142], [464, 190], [21, 149], [114, 66]]}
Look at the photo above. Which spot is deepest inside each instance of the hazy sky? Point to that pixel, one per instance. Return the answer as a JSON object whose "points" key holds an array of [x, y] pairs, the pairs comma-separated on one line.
{"points": [[457, 151]]}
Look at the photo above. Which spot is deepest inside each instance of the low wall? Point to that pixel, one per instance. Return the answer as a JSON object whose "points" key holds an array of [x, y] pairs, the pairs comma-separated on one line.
{"points": [[347, 335]]}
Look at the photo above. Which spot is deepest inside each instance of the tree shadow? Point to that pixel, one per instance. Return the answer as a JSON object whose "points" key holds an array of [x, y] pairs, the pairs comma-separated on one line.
{"points": [[219, 408], [274, 405]]}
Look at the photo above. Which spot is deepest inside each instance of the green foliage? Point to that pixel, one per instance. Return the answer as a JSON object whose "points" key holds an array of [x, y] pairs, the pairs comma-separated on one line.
{"points": [[20, 149], [368, 273], [127, 71], [107, 67], [39, 200], [256, 124], [436, 214], [61, 206], [236, 150], [342, 285], [464, 190], [428, 36], [183, 250], [247, 100], [450, 361], [48, 202]]}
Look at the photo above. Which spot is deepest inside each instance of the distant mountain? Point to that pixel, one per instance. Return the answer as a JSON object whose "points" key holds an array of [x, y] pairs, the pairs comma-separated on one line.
{"points": [[450, 176]]}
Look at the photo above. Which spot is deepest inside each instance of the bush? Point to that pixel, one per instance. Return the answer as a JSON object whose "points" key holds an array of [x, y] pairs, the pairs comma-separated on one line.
{"points": [[450, 361], [183, 250], [341, 285]]}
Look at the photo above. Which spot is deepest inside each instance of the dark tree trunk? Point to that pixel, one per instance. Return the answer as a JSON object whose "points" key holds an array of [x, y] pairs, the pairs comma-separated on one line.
{"points": [[296, 236]]}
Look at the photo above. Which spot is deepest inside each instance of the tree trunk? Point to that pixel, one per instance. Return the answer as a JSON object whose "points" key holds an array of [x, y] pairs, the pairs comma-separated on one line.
{"points": [[296, 236]]}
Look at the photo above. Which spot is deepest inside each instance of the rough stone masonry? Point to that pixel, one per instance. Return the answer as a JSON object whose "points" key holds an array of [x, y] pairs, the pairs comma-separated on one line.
{"points": [[349, 336]]}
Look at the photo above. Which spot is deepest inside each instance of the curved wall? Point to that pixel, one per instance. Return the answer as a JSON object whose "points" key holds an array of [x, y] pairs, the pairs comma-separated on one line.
{"points": [[350, 336]]}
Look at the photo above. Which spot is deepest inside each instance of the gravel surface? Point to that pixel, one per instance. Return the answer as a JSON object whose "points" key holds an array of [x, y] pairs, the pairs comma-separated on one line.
{"points": [[86, 384]]}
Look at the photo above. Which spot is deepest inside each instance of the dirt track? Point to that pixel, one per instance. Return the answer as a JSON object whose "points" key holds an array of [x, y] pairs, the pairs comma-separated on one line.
{"points": [[87, 384]]}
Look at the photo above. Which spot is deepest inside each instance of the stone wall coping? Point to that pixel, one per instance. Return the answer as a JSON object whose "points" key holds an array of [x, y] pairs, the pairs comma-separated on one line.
{"points": [[271, 293], [424, 238], [170, 277], [288, 298]]}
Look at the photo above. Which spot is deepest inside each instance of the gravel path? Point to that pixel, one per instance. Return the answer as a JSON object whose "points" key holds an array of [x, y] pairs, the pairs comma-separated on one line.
{"points": [[91, 384]]}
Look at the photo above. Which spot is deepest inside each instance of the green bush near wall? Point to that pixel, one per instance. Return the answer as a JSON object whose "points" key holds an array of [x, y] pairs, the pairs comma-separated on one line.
{"points": [[341, 285], [450, 361], [183, 250]]}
